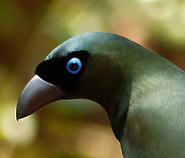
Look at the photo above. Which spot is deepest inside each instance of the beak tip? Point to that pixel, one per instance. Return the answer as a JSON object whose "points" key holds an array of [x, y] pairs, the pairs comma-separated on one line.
{"points": [[17, 117], [17, 113]]}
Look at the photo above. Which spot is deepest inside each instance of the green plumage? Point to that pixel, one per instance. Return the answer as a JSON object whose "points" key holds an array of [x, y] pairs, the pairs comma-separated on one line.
{"points": [[142, 92]]}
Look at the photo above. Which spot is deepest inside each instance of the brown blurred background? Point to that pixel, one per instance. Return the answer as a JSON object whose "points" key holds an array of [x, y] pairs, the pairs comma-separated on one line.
{"points": [[30, 29]]}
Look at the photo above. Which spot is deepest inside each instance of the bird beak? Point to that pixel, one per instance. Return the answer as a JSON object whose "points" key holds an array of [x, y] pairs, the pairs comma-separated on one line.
{"points": [[37, 94]]}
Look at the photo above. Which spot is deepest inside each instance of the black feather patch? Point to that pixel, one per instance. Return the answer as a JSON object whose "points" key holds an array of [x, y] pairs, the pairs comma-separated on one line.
{"points": [[54, 70]]}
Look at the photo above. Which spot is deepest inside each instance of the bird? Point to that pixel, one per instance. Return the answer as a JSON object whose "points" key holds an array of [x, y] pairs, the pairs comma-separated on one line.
{"points": [[142, 93]]}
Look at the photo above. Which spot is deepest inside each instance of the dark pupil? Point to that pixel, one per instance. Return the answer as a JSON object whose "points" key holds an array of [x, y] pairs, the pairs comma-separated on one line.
{"points": [[74, 67]]}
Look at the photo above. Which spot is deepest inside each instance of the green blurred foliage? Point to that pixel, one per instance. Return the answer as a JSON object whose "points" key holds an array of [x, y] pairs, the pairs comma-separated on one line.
{"points": [[29, 30]]}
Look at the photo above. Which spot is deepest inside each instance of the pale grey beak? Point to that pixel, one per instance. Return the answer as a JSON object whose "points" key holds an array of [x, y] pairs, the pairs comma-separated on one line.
{"points": [[37, 94]]}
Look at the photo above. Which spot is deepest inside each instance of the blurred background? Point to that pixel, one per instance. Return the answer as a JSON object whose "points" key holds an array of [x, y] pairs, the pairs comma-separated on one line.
{"points": [[29, 30]]}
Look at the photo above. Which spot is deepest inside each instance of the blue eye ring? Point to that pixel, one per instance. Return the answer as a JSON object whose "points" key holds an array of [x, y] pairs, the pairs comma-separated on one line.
{"points": [[74, 65]]}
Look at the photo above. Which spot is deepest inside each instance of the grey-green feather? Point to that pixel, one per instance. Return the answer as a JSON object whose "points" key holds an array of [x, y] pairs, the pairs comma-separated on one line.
{"points": [[142, 92]]}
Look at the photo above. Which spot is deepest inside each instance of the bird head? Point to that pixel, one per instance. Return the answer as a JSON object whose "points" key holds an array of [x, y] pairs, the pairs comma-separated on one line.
{"points": [[87, 66]]}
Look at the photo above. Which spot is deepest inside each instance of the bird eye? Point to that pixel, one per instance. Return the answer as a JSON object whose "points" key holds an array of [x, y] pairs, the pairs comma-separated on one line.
{"points": [[74, 65]]}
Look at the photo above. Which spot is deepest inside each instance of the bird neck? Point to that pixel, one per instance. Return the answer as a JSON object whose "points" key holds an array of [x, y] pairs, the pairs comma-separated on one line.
{"points": [[117, 109], [118, 115]]}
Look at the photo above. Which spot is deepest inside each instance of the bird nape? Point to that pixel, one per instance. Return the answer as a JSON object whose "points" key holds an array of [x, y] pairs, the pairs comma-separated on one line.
{"points": [[142, 92]]}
